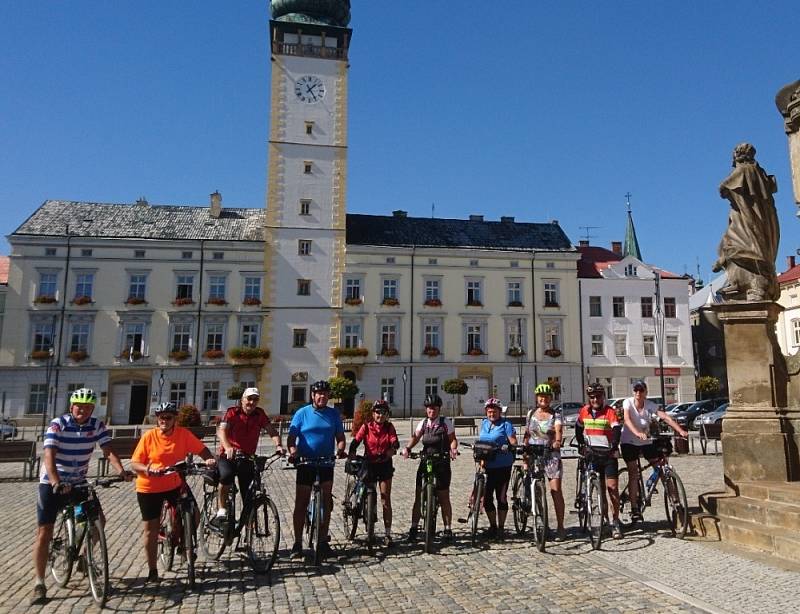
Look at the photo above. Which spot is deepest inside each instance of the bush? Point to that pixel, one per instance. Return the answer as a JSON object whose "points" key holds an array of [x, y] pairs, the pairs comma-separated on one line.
{"points": [[707, 385], [455, 386], [235, 392], [189, 415], [362, 415], [343, 388]]}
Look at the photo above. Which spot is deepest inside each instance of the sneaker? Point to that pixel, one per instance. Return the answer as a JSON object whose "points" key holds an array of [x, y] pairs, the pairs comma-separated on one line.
{"points": [[561, 535], [325, 550], [297, 552], [616, 530], [220, 519], [39, 595], [636, 517], [412, 534], [490, 532], [152, 576], [387, 540], [501, 534], [447, 535]]}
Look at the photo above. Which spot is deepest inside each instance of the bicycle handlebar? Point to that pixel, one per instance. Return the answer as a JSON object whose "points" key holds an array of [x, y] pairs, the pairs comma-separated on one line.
{"points": [[189, 468], [426, 455]]}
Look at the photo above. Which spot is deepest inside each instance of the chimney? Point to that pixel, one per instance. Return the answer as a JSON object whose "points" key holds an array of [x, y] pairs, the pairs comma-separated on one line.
{"points": [[509, 219], [583, 243], [616, 247], [142, 202], [554, 222], [400, 213], [789, 262], [216, 205], [475, 218]]}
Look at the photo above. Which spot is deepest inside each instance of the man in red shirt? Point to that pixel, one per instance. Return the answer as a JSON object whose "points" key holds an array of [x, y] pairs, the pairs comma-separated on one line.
{"points": [[238, 435]]}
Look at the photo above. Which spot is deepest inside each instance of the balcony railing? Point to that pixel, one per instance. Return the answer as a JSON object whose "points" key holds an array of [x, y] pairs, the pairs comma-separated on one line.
{"points": [[305, 50]]}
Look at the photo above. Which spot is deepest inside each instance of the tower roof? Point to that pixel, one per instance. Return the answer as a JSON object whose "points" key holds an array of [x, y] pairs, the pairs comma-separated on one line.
{"points": [[631, 245], [321, 12]]}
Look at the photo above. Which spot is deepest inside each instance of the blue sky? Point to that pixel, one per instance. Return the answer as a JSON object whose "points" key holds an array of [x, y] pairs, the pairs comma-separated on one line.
{"points": [[537, 109]]}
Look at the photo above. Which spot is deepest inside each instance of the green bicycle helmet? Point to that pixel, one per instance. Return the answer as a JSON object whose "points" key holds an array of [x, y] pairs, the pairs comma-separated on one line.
{"points": [[83, 395], [544, 389]]}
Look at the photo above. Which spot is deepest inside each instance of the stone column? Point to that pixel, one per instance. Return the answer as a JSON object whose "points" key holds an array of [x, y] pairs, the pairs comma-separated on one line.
{"points": [[758, 438], [788, 103]]}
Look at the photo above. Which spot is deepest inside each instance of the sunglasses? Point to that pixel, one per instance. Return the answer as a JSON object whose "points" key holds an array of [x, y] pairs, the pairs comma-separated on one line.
{"points": [[639, 389], [380, 412], [166, 416], [597, 395]]}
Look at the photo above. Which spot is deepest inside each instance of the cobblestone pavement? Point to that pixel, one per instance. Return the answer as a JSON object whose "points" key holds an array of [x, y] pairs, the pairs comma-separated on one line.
{"points": [[647, 570]]}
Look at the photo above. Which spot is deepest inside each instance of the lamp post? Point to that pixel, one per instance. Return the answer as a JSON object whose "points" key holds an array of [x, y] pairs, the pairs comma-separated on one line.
{"points": [[48, 374], [404, 392], [160, 386]]}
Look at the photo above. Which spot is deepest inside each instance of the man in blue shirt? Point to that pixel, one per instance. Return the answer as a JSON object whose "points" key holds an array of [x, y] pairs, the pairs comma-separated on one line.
{"points": [[316, 431]]}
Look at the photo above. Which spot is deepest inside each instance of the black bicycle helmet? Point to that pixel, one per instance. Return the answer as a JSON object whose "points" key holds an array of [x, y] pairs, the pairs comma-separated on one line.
{"points": [[595, 388], [321, 386], [380, 404], [433, 400]]}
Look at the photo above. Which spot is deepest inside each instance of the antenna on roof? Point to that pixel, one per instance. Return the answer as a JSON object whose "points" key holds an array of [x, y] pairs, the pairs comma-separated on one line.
{"points": [[433, 210], [588, 236]]}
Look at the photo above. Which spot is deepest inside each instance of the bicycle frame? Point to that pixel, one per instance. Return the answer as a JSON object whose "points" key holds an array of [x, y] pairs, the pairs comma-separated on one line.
{"points": [[316, 504]]}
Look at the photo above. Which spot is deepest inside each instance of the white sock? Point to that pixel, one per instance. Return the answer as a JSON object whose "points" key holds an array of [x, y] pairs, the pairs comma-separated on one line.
{"points": [[222, 512], [40, 581]]}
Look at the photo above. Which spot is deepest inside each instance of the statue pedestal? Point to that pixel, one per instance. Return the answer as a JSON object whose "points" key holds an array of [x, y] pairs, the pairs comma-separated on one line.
{"points": [[758, 438]]}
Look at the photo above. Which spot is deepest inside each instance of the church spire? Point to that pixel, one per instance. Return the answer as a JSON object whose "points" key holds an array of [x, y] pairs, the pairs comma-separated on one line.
{"points": [[631, 245]]}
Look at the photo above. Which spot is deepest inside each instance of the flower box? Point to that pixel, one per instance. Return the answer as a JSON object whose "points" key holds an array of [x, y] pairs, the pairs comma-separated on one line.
{"points": [[81, 300], [431, 351], [474, 304], [179, 354], [550, 304], [248, 353], [516, 352], [78, 355], [389, 352], [214, 354], [251, 300], [552, 353], [475, 352], [181, 301], [216, 301], [515, 303], [390, 301], [45, 300], [40, 354], [353, 300], [128, 355], [349, 352], [433, 302], [135, 300]]}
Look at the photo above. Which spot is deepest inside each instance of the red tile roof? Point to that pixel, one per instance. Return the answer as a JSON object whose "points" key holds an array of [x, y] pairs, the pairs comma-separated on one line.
{"points": [[596, 259], [790, 275], [4, 264]]}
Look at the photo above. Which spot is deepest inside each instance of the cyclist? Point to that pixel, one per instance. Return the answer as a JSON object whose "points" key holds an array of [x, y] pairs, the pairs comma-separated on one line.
{"points": [[497, 430], [380, 444], [239, 431], [316, 431], [543, 427], [158, 448], [438, 435], [639, 413], [68, 445], [597, 425]]}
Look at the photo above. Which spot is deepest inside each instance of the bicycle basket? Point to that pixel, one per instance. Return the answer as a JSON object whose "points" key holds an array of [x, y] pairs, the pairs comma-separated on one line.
{"points": [[353, 466], [535, 449], [663, 445], [211, 476], [483, 451]]}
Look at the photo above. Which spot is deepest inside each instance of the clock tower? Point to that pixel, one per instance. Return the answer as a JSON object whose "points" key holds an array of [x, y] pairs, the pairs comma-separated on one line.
{"points": [[304, 252]]}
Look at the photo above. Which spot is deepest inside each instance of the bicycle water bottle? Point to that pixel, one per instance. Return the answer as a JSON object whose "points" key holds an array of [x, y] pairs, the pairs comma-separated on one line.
{"points": [[80, 515], [652, 479]]}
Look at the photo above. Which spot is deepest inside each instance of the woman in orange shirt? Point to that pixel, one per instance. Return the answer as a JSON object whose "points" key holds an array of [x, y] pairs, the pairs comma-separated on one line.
{"points": [[159, 448]]}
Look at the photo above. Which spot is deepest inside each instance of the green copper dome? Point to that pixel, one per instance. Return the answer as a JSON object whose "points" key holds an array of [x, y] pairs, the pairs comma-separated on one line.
{"points": [[322, 12]]}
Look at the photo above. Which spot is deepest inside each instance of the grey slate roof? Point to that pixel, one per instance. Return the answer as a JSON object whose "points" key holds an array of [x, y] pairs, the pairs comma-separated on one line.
{"points": [[449, 233], [143, 222], [175, 222]]}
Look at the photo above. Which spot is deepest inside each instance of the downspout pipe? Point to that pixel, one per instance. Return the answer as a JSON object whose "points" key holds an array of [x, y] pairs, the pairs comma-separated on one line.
{"points": [[199, 324], [61, 323]]}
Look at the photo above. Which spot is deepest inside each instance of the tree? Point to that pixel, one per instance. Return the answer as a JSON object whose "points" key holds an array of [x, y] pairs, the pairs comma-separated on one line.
{"points": [[707, 386], [362, 415], [235, 392], [189, 415], [343, 388], [456, 387]]}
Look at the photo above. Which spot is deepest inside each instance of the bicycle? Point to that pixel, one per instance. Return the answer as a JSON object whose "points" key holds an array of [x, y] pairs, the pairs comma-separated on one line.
{"points": [[529, 493], [177, 529], [316, 505], [258, 520], [675, 504], [80, 537], [428, 499], [590, 499], [360, 500], [481, 452]]}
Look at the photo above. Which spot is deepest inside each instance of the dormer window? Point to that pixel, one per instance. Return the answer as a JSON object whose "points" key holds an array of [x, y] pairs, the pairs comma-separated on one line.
{"points": [[630, 270]]}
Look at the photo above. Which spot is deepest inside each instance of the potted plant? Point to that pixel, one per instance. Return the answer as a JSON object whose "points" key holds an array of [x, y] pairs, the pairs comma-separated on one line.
{"points": [[40, 354], [343, 388], [390, 301], [349, 352], [183, 300], [433, 302], [135, 300], [550, 304], [216, 300], [248, 353], [515, 303], [431, 351], [251, 300], [475, 352], [189, 415], [474, 303], [81, 300], [456, 387], [552, 352], [707, 386], [126, 354], [516, 352], [235, 392], [177, 354], [389, 352], [353, 300], [44, 299], [78, 355], [213, 354]]}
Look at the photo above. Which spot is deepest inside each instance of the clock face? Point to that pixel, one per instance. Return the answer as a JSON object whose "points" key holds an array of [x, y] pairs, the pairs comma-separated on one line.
{"points": [[309, 89]]}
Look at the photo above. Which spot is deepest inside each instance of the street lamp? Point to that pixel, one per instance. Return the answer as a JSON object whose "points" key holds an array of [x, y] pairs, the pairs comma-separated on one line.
{"points": [[48, 374], [404, 392], [160, 386]]}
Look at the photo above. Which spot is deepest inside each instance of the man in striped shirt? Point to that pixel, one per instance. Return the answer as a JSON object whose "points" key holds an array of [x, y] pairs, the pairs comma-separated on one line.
{"points": [[68, 446]]}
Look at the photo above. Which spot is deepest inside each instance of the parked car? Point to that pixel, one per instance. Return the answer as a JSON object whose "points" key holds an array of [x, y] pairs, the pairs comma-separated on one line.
{"points": [[712, 417], [569, 411], [685, 417], [8, 429]]}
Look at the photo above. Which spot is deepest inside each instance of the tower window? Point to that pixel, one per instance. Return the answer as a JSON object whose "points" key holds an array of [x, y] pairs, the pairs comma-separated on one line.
{"points": [[304, 247], [299, 337], [49, 251], [303, 287], [218, 255], [305, 207], [186, 255], [309, 128], [307, 167], [86, 253]]}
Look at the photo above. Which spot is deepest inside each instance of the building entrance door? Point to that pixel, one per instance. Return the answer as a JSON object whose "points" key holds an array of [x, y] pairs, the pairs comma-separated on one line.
{"points": [[477, 393], [138, 403]]}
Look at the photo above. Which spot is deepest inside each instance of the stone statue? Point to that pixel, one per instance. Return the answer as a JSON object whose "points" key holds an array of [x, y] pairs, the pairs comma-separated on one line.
{"points": [[750, 244]]}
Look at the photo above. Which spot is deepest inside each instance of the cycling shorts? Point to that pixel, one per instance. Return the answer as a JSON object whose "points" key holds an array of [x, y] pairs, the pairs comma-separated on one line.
{"points": [[631, 452], [380, 472], [49, 504], [441, 470], [150, 503], [307, 474]]}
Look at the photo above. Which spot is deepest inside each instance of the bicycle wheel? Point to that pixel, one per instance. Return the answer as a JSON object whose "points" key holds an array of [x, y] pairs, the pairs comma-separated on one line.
{"points": [[595, 511], [539, 513], [518, 502], [166, 537], [97, 561], [475, 507], [626, 506], [430, 516], [370, 516], [580, 499], [189, 545], [263, 534], [675, 505], [317, 527], [61, 548], [350, 513], [211, 540]]}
